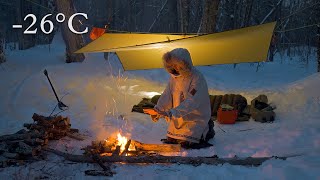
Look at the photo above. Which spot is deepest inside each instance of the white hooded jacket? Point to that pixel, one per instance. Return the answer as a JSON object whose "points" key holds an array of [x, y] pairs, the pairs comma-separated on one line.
{"points": [[186, 99]]}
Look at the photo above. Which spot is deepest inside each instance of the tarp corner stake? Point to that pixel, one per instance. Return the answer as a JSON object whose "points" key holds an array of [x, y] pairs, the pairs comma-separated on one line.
{"points": [[144, 51]]}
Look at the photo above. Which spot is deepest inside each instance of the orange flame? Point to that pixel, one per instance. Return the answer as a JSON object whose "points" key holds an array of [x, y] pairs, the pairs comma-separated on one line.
{"points": [[122, 141]]}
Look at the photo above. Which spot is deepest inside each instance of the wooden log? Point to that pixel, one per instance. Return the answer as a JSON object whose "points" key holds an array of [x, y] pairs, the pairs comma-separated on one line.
{"points": [[24, 149], [126, 148], [38, 127], [249, 161], [14, 162], [43, 120], [34, 142], [72, 130], [30, 142], [156, 147], [57, 133], [65, 122], [29, 135], [10, 155], [116, 152], [46, 141], [3, 147]]}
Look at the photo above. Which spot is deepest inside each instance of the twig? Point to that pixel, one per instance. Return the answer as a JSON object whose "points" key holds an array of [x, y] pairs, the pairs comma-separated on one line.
{"points": [[297, 11], [302, 27]]}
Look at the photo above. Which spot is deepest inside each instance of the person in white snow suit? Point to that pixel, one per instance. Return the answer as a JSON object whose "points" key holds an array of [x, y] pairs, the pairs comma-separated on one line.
{"points": [[185, 102]]}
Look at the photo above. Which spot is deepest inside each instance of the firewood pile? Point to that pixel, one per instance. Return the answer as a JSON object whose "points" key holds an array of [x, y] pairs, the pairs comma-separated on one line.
{"points": [[28, 143]]}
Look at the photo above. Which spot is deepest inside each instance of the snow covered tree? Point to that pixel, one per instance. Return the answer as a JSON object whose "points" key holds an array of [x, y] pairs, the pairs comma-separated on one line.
{"points": [[72, 41]]}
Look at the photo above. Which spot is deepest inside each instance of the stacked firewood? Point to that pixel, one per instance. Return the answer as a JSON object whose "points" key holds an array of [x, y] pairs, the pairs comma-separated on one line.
{"points": [[27, 144]]}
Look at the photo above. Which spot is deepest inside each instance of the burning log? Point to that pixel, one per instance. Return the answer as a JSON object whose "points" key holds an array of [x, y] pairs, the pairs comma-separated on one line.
{"points": [[156, 147], [249, 161], [126, 148], [131, 147]]}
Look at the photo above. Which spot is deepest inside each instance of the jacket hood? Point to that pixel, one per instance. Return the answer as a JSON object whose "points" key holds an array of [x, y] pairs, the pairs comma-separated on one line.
{"points": [[178, 62]]}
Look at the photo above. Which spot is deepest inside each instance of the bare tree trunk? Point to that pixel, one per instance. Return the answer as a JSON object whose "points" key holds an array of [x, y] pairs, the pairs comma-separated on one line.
{"points": [[2, 57], [182, 8], [318, 48], [73, 41], [209, 17]]}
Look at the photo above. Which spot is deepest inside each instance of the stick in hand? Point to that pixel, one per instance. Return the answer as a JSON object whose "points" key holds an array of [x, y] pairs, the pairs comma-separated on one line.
{"points": [[150, 112]]}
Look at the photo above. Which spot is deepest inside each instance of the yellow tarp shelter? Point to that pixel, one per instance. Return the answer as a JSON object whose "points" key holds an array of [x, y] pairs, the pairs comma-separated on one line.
{"points": [[144, 51]]}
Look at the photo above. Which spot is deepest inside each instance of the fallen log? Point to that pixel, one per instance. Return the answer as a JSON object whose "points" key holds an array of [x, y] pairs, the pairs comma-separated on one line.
{"points": [[249, 161]]}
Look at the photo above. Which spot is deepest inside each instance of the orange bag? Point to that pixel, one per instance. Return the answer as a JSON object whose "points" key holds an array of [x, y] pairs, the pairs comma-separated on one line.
{"points": [[227, 116], [96, 32]]}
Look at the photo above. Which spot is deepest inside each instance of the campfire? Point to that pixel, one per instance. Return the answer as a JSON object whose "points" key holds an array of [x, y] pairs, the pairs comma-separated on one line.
{"points": [[123, 146]]}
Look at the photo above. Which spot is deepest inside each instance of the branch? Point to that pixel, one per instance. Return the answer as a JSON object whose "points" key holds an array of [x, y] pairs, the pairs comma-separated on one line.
{"points": [[272, 10]]}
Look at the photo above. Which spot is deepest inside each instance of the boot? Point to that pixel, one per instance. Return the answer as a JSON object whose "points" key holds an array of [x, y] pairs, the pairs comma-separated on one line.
{"points": [[211, 131]]}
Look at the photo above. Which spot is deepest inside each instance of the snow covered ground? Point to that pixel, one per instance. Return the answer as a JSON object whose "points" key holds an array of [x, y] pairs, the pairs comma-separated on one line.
{"points": [[100, 96]]}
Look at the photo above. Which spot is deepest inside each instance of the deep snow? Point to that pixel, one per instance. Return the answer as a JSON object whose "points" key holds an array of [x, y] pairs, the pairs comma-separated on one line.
{"points": [[100, 96]]}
